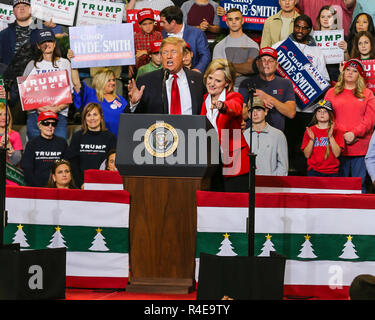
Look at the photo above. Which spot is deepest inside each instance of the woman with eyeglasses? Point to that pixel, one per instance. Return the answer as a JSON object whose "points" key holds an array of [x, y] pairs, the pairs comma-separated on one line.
{"points": [[61, 175], [90, 145], [48, 59], [42, 151]]}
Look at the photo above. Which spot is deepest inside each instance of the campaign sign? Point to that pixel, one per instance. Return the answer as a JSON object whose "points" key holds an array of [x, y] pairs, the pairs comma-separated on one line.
{"points": [[6, 13], [60, 11], [255, 12], [369, 66], [307, 82], [92, 12], [328, 41], [102, 45], [44, 89]]}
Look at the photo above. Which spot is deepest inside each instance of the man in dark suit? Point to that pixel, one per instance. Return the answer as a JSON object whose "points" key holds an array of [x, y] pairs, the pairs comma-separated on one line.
{"points": [[155, 92], [171, 20]]}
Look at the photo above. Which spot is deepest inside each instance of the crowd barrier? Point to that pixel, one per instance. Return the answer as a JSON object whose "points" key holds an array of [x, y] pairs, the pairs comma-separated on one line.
{"points": [[326, 237], [92, 225]]}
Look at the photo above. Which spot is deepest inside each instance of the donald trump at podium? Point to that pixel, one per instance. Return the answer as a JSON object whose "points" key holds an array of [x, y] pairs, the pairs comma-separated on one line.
{"points": [[170, 90]]}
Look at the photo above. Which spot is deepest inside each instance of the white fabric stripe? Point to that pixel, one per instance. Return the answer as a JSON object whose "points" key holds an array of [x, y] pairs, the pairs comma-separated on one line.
{"points": [[332, 273], [97, 264], [328, 273], [288, 220], [103, 186], [301, 190], [66, 212]]}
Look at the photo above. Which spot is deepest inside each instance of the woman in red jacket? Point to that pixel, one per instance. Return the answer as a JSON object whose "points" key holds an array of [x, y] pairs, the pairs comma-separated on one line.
{"points": [[354, 107], [223, 108]]}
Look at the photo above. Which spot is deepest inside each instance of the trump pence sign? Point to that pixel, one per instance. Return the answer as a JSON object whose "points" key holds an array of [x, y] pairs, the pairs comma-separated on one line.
{"points": [[44, 89]]}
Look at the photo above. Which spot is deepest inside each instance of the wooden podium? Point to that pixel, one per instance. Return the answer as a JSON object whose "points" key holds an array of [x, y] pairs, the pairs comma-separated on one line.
{"points": [[163, 217]]}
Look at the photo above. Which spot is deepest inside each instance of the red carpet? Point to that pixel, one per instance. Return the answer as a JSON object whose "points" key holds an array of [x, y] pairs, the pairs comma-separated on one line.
{"points": [[101, 294]]}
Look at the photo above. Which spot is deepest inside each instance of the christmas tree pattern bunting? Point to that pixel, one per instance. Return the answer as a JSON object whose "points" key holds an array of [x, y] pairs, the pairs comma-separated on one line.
{"points": [[99, 244], [57, 240], [226, 248], [20, 237], [307, 251]]}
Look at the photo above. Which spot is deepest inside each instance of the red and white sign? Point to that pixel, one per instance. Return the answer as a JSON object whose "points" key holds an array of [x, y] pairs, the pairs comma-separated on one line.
{"points": [[369, 66], [45, 89]]}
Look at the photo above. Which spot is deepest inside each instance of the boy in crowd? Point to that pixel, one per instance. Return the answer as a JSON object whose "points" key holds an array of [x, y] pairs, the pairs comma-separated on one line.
{"points": [[268, 143], [144, 38], [187, 60], [155, 60]]}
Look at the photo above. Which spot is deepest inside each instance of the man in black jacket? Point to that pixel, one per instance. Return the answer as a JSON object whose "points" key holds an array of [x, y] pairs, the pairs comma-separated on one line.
{"points": [[153, 92]]}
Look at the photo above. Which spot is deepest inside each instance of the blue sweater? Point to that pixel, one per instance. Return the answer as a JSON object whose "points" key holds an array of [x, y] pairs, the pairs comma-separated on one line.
{"points": [[111, 110]]}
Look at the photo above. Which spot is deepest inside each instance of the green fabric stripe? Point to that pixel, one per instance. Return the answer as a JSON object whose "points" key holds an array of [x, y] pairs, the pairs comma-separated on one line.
{"points": [[325, 246], [77, 238]]}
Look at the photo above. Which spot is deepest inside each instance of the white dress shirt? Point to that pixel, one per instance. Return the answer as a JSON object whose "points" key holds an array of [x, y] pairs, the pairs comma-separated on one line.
{"points": [[212, 114], [178, 34], [183, 87]]}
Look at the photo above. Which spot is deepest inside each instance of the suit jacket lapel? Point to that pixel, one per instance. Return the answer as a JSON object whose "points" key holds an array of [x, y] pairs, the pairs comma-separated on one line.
{"points": [[191, 82]]}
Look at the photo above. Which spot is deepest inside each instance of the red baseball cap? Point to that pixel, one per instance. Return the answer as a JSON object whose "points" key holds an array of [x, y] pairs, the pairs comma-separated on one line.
{"points": [[155, 46], [144, 14], [47, 115], [268, 51]]}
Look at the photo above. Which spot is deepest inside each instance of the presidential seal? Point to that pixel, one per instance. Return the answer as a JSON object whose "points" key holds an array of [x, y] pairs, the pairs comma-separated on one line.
{"points": [[161, 139]]}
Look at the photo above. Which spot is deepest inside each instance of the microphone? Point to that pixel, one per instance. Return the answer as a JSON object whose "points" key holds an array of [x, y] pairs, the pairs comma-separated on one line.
{"points": [[165, 77]]}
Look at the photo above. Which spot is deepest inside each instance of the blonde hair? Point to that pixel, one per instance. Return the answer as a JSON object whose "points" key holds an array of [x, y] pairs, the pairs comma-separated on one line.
{"points": [[88, 108], [99, 82], [360, 86], [331, 121], [9, 120], [174, 41], [224, 65]]}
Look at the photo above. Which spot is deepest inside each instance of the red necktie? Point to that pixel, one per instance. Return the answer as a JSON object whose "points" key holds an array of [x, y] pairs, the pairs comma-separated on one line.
{"points": [[175, 97]]}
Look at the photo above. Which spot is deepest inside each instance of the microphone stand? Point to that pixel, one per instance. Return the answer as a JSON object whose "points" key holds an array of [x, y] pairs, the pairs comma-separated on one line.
{"points": [[165, 77], [252, 157]]}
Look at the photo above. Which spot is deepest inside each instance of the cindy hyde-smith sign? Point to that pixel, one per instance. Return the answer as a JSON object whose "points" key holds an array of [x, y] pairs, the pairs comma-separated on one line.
{"points": [[60, 11], [44, 89], [255, 12], [307, 82], [102, 45]]}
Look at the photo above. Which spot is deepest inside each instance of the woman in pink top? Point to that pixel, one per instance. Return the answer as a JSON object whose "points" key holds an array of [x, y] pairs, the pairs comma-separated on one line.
{"points": [[14, 146], [354, 107]]}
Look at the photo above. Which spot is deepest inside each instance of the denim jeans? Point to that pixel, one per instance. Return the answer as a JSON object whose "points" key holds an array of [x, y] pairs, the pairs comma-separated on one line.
{"points": [[313, 173], [33, 129], [354, 166]]}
